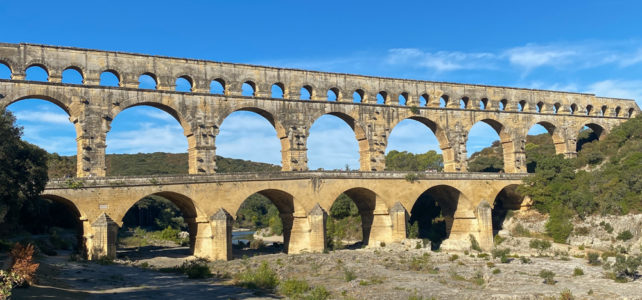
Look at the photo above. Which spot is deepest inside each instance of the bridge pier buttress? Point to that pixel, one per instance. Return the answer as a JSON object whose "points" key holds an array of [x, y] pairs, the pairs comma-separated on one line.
{"points": [[398, 219], [308, 232], [294, 152], [214, 240], [101, 241], [201, 149], [90, 140]]}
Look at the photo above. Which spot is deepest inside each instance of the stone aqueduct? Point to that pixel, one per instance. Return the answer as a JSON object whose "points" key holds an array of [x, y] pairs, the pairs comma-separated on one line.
{"points": [[303, 198]]}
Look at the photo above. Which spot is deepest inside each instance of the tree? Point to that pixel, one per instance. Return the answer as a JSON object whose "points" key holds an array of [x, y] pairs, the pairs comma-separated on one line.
{"points": [[23, 171]]}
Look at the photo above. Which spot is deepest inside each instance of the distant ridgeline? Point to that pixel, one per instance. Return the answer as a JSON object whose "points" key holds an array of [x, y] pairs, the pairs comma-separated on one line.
{"points": [[152, 164]]}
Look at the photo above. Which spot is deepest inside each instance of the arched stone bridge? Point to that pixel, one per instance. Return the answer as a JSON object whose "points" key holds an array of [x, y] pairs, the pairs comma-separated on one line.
{"points": [[92, 107], [210, 202]]}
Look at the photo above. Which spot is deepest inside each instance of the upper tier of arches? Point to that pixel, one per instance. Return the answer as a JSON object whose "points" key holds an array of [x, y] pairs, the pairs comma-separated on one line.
{"points": [[197, 76]]}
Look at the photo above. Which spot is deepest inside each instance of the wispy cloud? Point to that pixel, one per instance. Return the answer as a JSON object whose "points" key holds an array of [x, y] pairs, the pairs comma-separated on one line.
{"points": [[532, 56], [441, 61], [42, 116], [628, 89]]}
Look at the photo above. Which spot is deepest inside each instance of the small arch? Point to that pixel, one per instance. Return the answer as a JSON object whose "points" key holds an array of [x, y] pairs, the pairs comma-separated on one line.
{"points": [[483, 103], [37, 72], [502, 104], [382, 97], [147, 81], [217, 86], [356, 203], [306, 92], [589, 109], [73, 75], [63, 213], [603, 110], [423, 100], [110, 78], [357, 96], [248, 89], [443, 101], [631, 111], [542, 140], [539, 107], [573, 108], [556, 107], [277, 90], [463, 103], [184, 84], [617, 111], [403, 98], [333, 94], [521, 105], [5, 70]]}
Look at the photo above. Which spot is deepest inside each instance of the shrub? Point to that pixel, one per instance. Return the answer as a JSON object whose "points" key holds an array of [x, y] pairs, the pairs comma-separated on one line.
{"points": [[22, 263], [578, 272], [525, 260], [498, 240], [520, 230], [318, 293], [593, 258], [502, 254], [196, 270], [539, 245], [626, 267], [624, 235], [496, 271], [582, 231], [474, 244], [260, 278], [559, 225], [349, 275], [293, 288], [453, 257], [566, 295], [607, 227], [548, 276]]}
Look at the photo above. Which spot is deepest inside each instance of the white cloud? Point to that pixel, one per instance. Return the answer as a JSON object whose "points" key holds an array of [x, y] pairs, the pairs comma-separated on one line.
{"points": [[532, 56], [42, 117], [440, 61], [149, 138], [627, 89]]}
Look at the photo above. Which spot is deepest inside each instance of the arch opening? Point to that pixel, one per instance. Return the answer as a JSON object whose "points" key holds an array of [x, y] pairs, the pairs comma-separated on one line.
{"points": [[333, 94], [45, 123], [268, 214], [414, 146], [382, 97], [556, 108], [306, 92], [617, 111], [588, 135], [357, 96], [147, 81], [507, 201], [335, 142], [251, 134], [603, 110], [248, 89], [5, 71], [160, 224], [443, 101], [539, 107], [573, 108], [110, 78], [486, 146], [541, 142], [403, 98], [184, 84], [350, 219], [483, 103], [423, 100], [433, 214], [37, 73], [589, 109], [521, 105], [277, 90], [463, 103], [217, 86], [72, 75], [502, 104], [146, 139], [630, 112]]}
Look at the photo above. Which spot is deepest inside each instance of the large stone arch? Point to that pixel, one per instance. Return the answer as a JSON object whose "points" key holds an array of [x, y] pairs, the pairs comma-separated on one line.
{"points": [[83, 229], [556, 132], [281, 133], [447, 150], [359, 132], [512, 146], [507, 199], [600, 131], [61, 101], [10, 64]]}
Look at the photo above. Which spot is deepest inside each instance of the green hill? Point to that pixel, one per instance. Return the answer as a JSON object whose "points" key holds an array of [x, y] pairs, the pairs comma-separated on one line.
{"points": [[152, 164]]}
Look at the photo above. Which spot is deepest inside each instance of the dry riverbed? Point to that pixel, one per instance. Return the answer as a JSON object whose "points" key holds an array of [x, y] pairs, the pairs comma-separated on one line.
{"points": [[392, 272]]}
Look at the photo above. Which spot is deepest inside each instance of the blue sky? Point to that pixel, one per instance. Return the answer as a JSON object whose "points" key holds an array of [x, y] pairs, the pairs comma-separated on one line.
{"points": [[583, 46]]}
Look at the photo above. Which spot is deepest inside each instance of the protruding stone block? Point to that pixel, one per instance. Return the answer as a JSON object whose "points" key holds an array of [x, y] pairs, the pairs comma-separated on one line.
{"points": [[398, 219], [308, 232], [103, 241], [484, 225], [221, 237]]}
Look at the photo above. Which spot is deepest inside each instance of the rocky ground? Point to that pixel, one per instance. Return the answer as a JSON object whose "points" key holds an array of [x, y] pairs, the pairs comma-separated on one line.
{"points": [[396, 271]]}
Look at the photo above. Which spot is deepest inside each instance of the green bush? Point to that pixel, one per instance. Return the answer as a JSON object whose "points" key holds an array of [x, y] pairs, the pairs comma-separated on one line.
{"points": [[413, 230], [539, 245], [502, 254], [349, 275], [520, 230], [559, 225], [474, 244], [453, 257], [293, 288], [624, 235], [318, 293], [548, 276], [578, 272], [607, 226], [196, 270], [625, 267], [260, 278], [593, 258]]}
